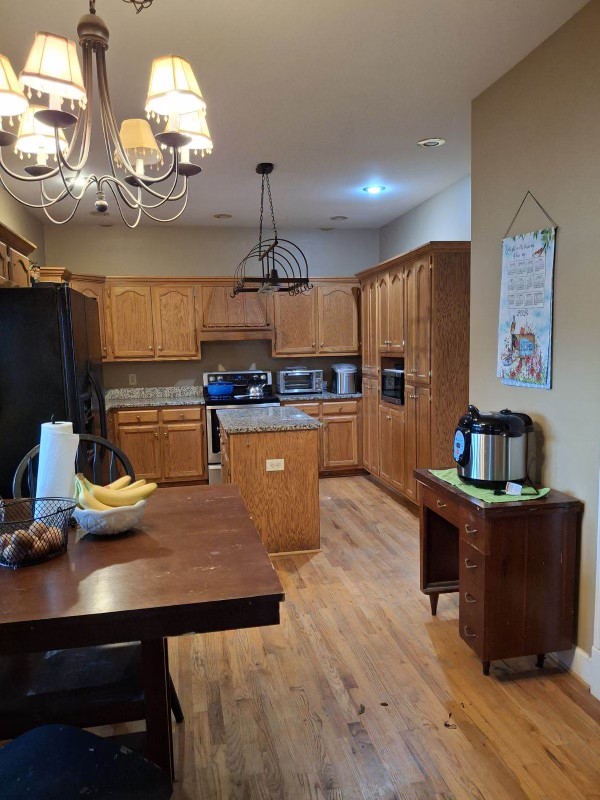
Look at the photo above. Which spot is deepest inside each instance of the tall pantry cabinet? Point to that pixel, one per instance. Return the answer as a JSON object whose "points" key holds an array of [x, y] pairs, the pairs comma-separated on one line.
{"points": [[415, 312]]}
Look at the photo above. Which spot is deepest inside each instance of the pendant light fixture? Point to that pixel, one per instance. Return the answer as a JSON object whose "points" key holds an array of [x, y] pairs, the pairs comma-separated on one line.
{"points": [[273, 264], [56, 135]]}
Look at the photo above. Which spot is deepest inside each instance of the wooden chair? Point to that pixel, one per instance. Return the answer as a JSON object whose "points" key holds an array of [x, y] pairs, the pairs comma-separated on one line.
{"points": [[60, 761], [86, 686], [100, 460]]}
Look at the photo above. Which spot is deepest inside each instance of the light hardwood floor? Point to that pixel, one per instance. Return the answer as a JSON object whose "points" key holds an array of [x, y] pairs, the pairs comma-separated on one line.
{"points": [[361, 694]]}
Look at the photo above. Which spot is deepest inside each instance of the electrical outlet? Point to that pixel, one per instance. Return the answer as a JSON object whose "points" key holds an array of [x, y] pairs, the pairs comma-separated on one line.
{"points": [[275, 464], [132, 379]]}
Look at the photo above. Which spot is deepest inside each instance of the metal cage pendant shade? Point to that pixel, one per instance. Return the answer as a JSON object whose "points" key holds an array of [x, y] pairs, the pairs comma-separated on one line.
{"points": [[273, 264]]}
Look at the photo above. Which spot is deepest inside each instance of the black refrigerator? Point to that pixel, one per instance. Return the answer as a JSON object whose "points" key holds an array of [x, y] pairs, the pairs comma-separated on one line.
{"points": [[50, 366]]}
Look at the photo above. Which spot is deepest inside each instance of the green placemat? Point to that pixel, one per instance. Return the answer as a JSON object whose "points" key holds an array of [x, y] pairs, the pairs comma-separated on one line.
{"points": [[487, 495]]}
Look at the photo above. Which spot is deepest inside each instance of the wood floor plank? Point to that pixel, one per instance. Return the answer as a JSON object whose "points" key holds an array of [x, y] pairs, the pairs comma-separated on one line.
{"points": [[360, 694]]}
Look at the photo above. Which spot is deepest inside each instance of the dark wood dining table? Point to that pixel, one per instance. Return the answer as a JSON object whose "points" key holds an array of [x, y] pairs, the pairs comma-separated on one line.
{"points": [[195, 564]]}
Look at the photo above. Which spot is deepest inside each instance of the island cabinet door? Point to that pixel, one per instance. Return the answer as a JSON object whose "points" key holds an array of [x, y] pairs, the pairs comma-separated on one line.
{"points": [[131, 325], [183, 450], [338, 319], [340, 441], [295, 324], [141, 444], [174, 321]]}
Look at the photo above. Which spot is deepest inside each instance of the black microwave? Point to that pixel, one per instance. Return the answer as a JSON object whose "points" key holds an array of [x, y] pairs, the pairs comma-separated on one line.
{"points": [[392, 386]]}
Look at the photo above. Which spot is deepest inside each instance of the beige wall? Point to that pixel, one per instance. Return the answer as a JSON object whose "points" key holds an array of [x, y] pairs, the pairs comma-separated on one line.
{"points": [[536, 128], [17, 218], [178, 250]]}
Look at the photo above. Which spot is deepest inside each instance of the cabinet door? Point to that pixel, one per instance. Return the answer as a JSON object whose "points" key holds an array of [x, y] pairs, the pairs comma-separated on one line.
{"points": [[410, 441], [131, 322], [371, 425], [4, 262], [183, 450], [19, 269], [423, 427], [255, 311], [95, 290], [221, 310], [398, 438], [141, 444], [418, 321], [338, 319], [396, 311], [215, 306], [383, 313], [386, 445], [340, 441], [295, 324], [174, 324], [365, 309], [373, 322]]}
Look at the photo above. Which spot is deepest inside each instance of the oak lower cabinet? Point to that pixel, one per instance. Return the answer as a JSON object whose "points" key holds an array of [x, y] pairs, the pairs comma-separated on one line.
{"points": [[513, 564], [165, 445], [322, 321], [392, 448], [370, 420], [417, 401]]}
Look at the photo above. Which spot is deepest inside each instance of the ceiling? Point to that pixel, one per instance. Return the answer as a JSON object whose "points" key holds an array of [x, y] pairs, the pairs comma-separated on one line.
{"points": [[335, 92]]}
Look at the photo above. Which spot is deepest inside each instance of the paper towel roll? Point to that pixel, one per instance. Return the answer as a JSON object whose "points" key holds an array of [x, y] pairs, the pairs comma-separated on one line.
{"points": [[56, 467]]}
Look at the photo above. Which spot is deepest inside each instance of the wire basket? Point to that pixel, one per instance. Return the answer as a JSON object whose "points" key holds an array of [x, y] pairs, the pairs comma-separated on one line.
{"points": [[33, 530]]}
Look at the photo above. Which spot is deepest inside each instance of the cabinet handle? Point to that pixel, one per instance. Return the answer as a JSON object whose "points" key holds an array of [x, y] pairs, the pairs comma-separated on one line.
{"points": [[314, 344], [150, 347], [413, 397], [469, 633], [387, 417], [469, 598], [137, 416], [155, 435], [440, 504], [470, 564], [322, 344], [165, 434], [160, 346], [470, 531], [181, 416]]}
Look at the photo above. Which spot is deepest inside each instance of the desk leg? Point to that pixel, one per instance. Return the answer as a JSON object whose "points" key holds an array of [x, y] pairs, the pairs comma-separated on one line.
{"points": [[155, 676], [433, 601]]}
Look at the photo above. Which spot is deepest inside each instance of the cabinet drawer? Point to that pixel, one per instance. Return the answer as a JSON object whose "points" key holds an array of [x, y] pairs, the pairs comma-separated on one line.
{"points": [[474, 530], [340, 407], [187, 414], [471, 564], [131, 417], [312, 409], [471, 615], [442, 504]]}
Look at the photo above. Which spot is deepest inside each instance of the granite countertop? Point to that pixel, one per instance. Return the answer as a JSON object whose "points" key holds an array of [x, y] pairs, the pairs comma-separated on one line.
{"points": [[263, 420], [155, 397], [302, 398]]}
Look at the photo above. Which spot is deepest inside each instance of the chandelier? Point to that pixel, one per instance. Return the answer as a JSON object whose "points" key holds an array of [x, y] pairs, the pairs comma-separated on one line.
{"points": [[273, 264], [147, 170]]}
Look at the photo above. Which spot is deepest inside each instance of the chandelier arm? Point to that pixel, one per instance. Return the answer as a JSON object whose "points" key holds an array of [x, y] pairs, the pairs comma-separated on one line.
{"points": [[142, 209], [28, 204], [138, 214], [67, 219], [135, 202], [84, 121], [175, 216]]}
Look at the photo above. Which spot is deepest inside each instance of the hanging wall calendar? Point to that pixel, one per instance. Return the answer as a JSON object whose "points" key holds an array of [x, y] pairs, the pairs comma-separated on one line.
{"points": [[526, 294]]}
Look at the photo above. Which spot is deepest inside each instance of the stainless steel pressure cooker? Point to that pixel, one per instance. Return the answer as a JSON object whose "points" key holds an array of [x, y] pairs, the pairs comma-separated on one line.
{"points": [[491, 448]]}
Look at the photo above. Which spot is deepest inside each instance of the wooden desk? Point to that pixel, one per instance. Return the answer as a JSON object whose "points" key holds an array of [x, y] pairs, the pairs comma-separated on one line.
{"points": [[513, 563], [195, 565]]}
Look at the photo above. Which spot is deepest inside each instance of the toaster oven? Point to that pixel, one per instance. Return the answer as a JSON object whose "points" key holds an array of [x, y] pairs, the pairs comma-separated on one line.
{"points": [[299, 380]]}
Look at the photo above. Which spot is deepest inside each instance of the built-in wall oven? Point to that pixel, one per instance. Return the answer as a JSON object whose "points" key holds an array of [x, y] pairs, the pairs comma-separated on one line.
{"points": [[392, 386]]}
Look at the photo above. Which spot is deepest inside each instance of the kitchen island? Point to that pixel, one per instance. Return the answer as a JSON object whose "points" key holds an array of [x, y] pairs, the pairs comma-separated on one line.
{"points": [[272, 454]]}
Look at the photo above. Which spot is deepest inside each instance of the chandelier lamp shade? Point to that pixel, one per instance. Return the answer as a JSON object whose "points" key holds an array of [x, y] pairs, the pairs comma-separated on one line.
{"points": [[273, 264], [54, 103]]}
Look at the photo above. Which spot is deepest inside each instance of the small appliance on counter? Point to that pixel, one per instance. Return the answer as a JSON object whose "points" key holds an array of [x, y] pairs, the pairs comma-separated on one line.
{"points": [[344, 378], [492, 448], [392, 385], [300, 380]]}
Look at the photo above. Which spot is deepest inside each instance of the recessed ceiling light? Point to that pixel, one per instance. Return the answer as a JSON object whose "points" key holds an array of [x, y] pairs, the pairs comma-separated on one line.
{"points": [[338, 218], [431, 142], [374, 189], [326, 229], [222, 216]]}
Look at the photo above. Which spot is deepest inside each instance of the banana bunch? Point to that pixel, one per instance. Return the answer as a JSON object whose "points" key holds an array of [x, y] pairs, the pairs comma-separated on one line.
{"points": [[116, 495]]}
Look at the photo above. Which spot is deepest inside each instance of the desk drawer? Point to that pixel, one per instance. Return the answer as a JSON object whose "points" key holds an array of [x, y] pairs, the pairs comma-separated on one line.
{"points": [[136, 416], [340, 407], [442, 504], [471, 564], [471, 615], [187, 414], [474, 530]]}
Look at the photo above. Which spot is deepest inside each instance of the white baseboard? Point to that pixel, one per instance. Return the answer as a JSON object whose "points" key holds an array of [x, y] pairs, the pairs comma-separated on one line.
{"points": [[595, 672], [579, 662]]}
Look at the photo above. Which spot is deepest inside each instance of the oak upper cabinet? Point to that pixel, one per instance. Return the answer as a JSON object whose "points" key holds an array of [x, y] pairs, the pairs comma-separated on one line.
{"points": [[295, 324], [19, 269], [131, 326], [95, 290], [396, 311], [338, 319], [221, 311], [4, 263], [383, 316], [418, 436], [174, 321], [418, 321], [369, 322]]}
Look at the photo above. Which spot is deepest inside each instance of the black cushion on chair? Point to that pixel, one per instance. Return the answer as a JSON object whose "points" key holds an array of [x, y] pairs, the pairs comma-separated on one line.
{"points": [[59, 762]]}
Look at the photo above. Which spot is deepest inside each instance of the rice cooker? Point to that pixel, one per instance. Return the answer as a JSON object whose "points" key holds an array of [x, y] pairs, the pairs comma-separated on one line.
{"points": [[491, 448]]}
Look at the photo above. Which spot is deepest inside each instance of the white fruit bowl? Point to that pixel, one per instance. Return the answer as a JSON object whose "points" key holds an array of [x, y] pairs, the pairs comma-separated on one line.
{"points": [[108, 523]]}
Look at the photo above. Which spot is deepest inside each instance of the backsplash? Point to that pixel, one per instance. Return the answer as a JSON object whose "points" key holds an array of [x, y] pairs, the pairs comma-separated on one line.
{"points": [[215, 355]]}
